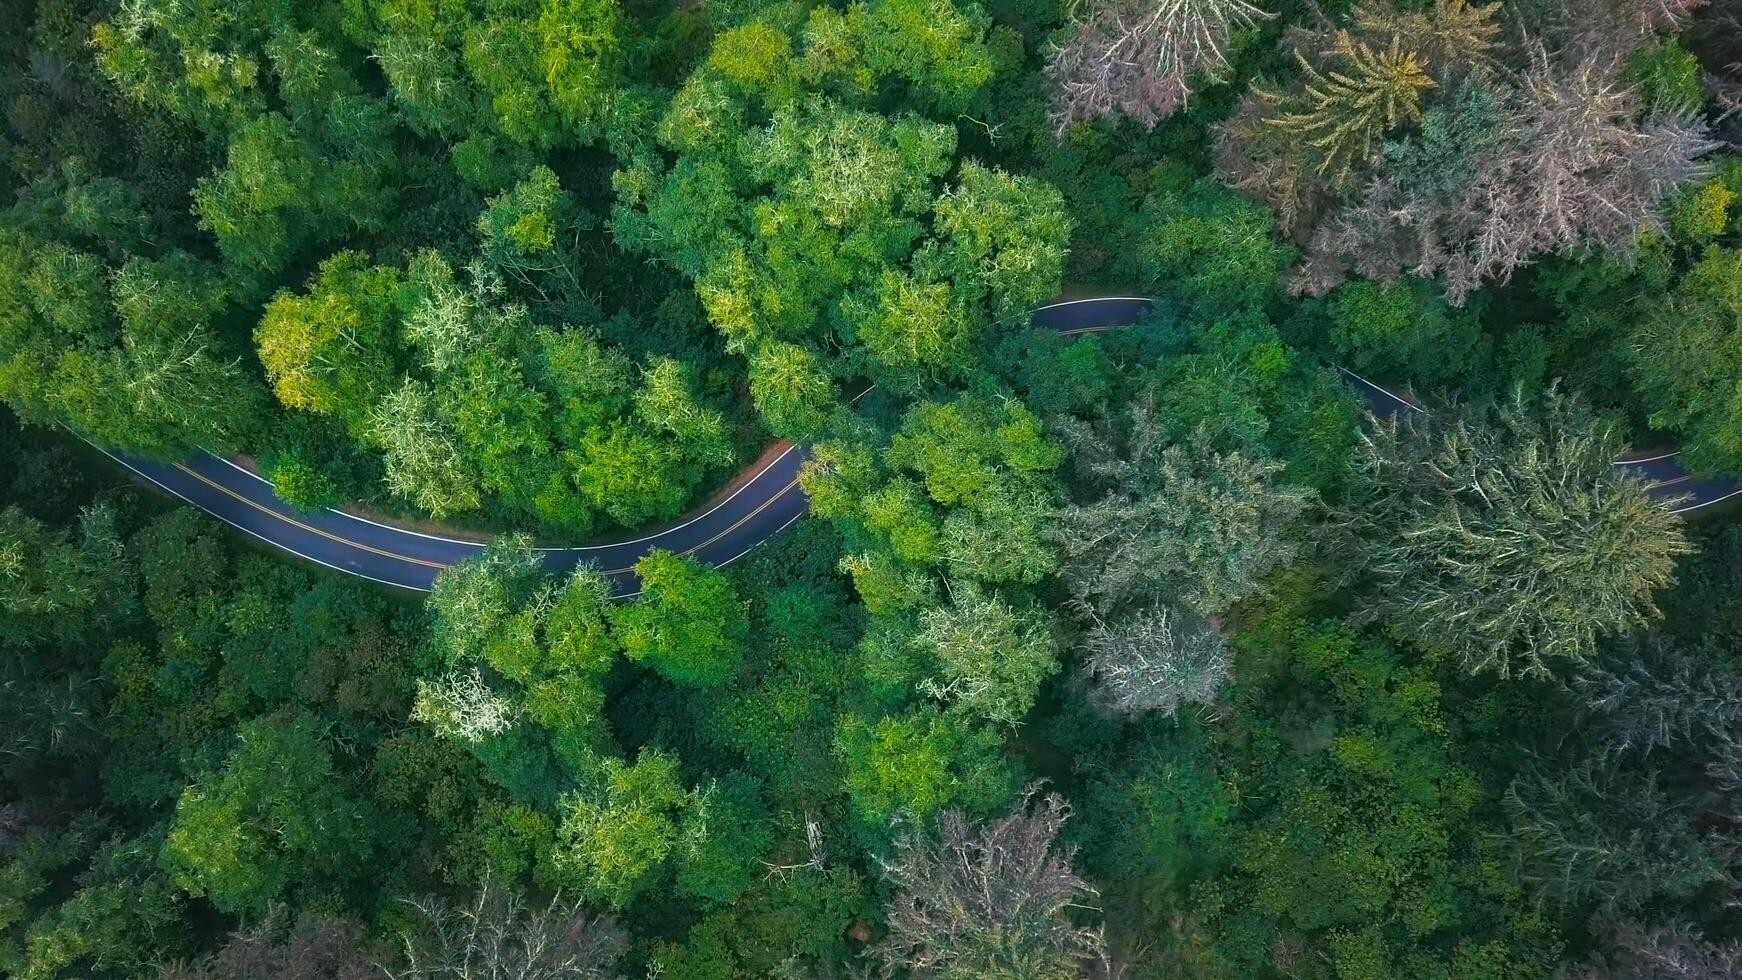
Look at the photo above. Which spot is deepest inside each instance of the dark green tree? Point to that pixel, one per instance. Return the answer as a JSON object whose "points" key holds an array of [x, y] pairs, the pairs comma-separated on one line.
{"points": [[1506, 537]]}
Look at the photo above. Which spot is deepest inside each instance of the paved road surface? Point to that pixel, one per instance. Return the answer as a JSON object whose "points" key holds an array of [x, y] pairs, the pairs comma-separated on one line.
{"points": [[761, 507]]}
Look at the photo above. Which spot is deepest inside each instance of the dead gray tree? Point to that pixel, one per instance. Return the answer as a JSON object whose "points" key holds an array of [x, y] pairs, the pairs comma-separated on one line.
{"points": [[498, 936], [1672, 952], [1560, 163], [313, 947]]}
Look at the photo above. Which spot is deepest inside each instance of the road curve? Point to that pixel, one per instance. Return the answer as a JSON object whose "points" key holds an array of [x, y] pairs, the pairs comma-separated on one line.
{"points": [[759, 508]]}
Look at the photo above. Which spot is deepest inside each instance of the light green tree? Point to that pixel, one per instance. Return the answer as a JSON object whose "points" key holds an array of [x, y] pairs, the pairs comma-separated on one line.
{"points": [[993, 655], [332, 350], [689, 623]]}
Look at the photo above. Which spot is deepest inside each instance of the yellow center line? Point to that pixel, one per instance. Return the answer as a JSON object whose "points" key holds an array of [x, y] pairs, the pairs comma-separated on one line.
{"points": [[741, 521], [314, 530], [439, 565]]}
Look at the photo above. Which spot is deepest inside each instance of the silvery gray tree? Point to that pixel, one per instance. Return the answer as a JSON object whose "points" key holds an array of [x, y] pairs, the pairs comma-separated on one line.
{"points": [[1140, 59], [1176, 517], [1153, 659]]}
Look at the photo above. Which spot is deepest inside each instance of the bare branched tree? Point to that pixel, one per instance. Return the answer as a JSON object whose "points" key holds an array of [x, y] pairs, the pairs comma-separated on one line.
{"points": [[993, 901], [1533, 147], [1140, 58], [1154, 659], [462, 705], [1299, 148], [1673, 952], [1610, 29], [498, 936]]}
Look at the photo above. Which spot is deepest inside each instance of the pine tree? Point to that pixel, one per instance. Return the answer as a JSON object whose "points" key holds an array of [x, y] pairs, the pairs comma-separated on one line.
{"points": [[1507, 537], [1344, 112]]}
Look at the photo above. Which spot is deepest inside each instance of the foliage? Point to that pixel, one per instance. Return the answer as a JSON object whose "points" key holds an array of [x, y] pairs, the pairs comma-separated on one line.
{"points": [[522, 664], [688, 624], [807, 217], [332, 352], [1211, 250], [558, 265], [1180, 521], [1403, 330], [1507, 538], [993, 656], [920, 763], [273, 820], [1684, 357], [55, 585], [1366, 853]]}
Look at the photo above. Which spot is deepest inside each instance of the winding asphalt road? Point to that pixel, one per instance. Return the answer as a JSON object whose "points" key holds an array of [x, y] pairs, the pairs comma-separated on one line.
{"points": [[759, 508]]}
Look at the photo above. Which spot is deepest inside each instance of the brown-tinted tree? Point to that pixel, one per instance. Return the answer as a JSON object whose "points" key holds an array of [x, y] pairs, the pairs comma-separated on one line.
{"points": [[314, 947], [1551, 160], [1676, 951], [995, 901], [1431, 142], [1141, 59], [1609, 28]]}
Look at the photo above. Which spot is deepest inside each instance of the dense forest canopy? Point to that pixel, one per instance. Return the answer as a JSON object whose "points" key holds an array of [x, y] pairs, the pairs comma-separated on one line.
{"points": [[1143, 654]]}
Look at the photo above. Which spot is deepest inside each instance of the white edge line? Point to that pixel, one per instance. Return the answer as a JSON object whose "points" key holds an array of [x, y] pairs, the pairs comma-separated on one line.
{"points": [[1386, 392], [790, 522], [1092, 299], [1647, 459], [746, 485], [250, 531], [707, 513], [579, 549], [1708, 503], [484, 544]]}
